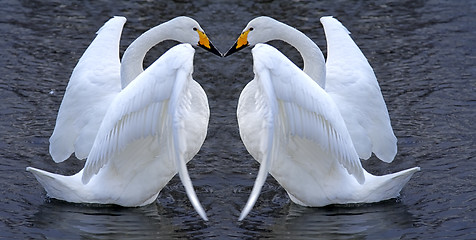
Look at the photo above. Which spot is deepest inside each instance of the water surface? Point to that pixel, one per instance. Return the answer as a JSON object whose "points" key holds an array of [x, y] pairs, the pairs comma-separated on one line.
{"points": [[422, 52]]}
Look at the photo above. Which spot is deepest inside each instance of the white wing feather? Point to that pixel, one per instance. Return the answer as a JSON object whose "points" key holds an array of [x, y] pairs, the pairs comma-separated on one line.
{"points": [[141, 109], [353, 86], [281, 103], [305, 109], [163, 105], [94, 83]]}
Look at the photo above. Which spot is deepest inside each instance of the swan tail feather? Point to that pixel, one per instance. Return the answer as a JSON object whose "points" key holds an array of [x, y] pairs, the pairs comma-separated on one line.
{"points": [[57, 186], [389, 186]]}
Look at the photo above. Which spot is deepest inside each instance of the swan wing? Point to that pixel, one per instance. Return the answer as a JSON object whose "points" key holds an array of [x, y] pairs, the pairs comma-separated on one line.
{"points": [[95, 81], [354, 88], [288, 105], [158, 108]]}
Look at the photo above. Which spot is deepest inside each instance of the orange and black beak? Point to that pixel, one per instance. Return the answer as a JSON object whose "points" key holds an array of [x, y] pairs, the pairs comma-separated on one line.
{"points": [[240, 43], [206, 44]]}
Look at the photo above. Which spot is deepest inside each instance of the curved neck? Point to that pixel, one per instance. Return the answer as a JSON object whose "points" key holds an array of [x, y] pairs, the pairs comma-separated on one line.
{"points": [[133, 58], [314, 63]]}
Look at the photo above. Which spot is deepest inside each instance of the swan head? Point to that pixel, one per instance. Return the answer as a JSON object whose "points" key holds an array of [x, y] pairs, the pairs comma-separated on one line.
{"points": [[259, 30], [187, 30]]}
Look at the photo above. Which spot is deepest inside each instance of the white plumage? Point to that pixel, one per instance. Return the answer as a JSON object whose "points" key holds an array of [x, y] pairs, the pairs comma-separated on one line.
{"points": [[139, 137]]}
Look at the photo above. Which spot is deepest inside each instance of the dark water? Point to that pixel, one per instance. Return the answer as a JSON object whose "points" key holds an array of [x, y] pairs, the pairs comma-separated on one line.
{"points": [[423, 53]]}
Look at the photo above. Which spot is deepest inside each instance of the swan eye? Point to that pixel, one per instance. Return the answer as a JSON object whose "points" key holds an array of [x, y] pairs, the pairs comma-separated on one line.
{"points": [[195, 29], [251, 29]]}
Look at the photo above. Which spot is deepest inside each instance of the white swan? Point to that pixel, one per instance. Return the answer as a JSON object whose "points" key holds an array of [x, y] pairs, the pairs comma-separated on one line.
{"points": [[148, 131], [310, 139], [99, 76]]}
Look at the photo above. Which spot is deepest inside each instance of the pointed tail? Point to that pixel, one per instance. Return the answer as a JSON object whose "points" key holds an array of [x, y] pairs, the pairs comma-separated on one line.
{"points": [[58, 186], [388, 186]]}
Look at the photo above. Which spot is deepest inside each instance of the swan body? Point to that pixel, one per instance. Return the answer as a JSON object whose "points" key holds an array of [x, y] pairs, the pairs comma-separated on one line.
{"points": [[314, 124], [140, 130], [150, 131]]}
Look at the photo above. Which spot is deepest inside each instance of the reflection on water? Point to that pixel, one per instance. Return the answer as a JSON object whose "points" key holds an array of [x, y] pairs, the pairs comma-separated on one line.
{"points": [[387, 220], [65, 219], [422, 53]]}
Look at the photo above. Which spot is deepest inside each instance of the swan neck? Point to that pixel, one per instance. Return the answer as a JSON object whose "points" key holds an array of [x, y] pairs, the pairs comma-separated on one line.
{"points": [[314, 63], [133, 58]]}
